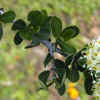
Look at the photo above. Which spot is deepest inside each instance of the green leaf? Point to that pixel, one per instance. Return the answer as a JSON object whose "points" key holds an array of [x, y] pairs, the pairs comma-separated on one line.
{"points": [[1, 31], [43, 77], [44, 33], [74, 75], [56, 26], [70, 32], [44, 17], [33, 44], [19, 25], [59, 64], [88, 85], [67, 72], [35, 17], [60, 69], [27, 34], [60, 88], [69, 59], [82, 61], [8, 17], [17, 39], [47, 59], [67, 48]]}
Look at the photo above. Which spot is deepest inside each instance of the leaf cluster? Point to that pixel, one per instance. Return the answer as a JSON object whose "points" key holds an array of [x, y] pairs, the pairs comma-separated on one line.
{"points": [[39, 29]]}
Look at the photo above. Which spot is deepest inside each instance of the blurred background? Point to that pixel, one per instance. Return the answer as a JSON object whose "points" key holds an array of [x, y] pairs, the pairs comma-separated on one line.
{"points": [[19, 68]]}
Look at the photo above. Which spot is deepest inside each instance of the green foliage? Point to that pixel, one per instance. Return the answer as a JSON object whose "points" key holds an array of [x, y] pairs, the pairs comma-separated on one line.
{"points": [[88, 83], [74, 75], [35, 17], [42, 28], [70, 32], [47, 59], [19, 25], [43, 77], [8, 17], [60, 88], [56, 26], [67, 48]]}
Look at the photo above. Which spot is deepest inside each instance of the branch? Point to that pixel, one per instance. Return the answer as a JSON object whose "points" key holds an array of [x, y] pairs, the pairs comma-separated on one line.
{"points": [[52, 49]]}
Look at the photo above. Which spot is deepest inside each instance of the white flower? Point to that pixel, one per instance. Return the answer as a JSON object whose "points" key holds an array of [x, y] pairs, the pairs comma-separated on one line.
{"points": [[93, 60]]}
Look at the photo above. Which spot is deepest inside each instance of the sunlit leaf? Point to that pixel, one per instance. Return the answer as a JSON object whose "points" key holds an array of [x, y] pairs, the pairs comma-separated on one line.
{"points": [[67, 48], [70, 32]]}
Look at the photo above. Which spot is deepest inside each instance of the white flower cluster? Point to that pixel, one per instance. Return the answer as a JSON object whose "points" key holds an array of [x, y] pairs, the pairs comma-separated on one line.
{"points": [[93, 55], [93, 60]]}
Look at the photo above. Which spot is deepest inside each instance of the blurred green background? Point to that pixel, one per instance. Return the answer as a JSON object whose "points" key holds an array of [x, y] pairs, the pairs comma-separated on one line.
{"points": [[19, 68]]}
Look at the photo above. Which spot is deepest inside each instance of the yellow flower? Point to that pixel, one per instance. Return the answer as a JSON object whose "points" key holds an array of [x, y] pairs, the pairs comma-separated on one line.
{"points": [[73, 93]]}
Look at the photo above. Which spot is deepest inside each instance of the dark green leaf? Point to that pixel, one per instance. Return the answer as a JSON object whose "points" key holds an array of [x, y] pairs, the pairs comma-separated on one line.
{"points": [[47, 59], [19, 25], [35, 17], [44, 33], [74, 75], [1, 31], [88, 84], [67, 48], [69, 59], [8, 17], [27, 34], [82, 61], [60, 73], [56, 26], [44, 17], [43, 77], [67, 72], [70, 32], [59, 64], [17, 39], [60, 88], [60, 69]]}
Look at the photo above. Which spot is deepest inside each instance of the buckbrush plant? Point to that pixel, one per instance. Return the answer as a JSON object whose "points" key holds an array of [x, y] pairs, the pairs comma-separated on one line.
{"points": [[48, 30]]}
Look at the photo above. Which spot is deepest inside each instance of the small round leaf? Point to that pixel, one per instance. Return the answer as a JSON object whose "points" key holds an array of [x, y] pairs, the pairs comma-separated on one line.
{"points": [[8, 17], [19, 25]]}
